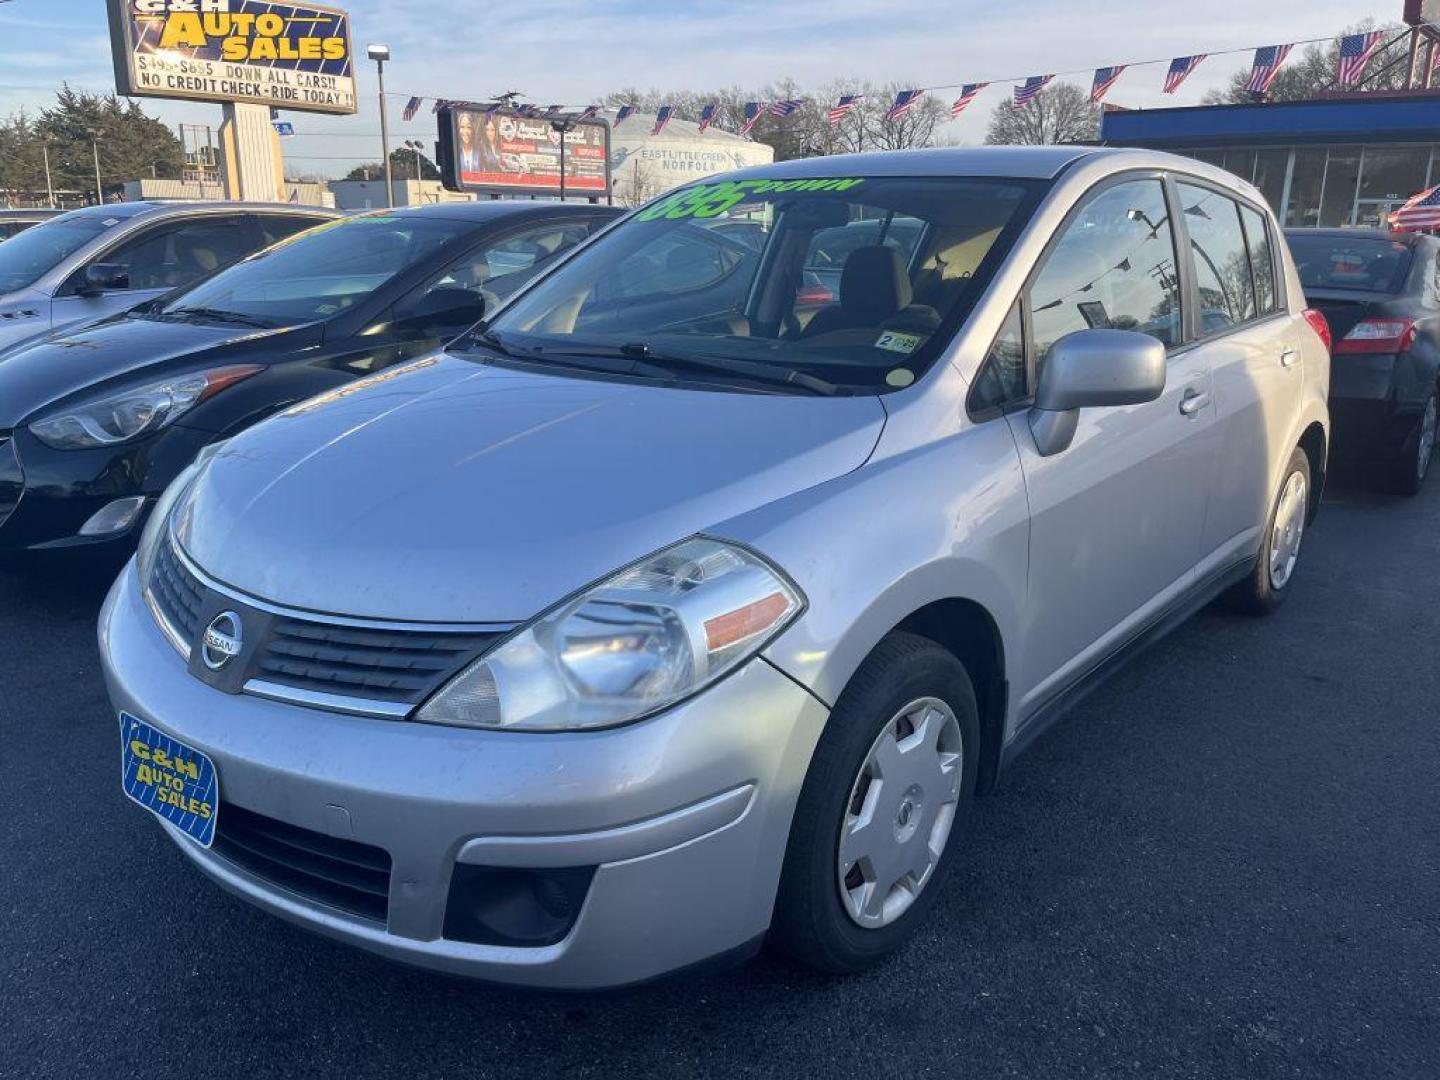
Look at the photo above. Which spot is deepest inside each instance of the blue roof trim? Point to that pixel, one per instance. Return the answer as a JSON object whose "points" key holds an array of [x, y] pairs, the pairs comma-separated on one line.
{"points": [[1360, 120]]}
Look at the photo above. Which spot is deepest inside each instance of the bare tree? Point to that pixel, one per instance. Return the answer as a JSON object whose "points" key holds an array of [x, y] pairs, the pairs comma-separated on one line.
{"points": [[1313, 72], [1061, 113]]}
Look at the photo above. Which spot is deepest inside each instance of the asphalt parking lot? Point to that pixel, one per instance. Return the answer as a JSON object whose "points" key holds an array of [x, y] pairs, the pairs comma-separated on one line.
{"points": [[1226, 863]]}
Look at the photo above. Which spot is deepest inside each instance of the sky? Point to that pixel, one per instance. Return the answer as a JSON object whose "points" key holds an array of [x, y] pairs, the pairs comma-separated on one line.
{"points": [[574, 51]]}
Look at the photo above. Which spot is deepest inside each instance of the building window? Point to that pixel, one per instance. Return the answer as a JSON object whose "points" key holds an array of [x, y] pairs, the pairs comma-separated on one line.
{"points": [[1307, 179], [1270, 168], [1337, 204], [1389, 176]]}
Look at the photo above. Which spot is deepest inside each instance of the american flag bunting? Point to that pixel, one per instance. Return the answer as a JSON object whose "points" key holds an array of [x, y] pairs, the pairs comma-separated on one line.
{"points": [[624, 113], [968, 93], [1268, 59], [905, 100], [1104, 79], [412, 107], [785, 108], [707, 115], [1180, 69], [843, 107], [1030, 89], [662, 118], [1356, 52], [753, 111]]}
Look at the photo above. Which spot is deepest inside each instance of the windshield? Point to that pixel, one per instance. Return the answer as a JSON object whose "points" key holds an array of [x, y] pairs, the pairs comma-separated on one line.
{"points": [[1365, 263], [319, 273], [25, 258], [856, 281]]}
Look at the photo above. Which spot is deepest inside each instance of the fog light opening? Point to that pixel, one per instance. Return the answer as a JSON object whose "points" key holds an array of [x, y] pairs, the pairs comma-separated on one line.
{"points": [[492, 905], [115, 517]]}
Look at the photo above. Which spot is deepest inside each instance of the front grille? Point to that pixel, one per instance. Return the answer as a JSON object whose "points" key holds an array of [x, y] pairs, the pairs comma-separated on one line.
{"points": [[343, 874], [401, 666], [178, 595], [350, 665], [12, 480]]}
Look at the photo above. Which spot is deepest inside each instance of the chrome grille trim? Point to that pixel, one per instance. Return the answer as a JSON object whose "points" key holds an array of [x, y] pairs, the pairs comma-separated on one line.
{"points": [[351, 706]]}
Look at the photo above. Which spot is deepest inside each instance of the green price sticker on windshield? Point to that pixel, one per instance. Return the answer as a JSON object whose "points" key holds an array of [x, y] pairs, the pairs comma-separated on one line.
{"points": [[712, 200]]}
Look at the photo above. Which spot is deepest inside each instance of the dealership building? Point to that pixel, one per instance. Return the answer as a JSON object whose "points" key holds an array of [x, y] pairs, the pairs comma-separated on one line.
{"points": [[1344, 160]]}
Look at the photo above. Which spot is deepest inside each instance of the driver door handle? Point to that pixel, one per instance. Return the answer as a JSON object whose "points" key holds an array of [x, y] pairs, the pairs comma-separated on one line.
{"points": [[1193, 401]]}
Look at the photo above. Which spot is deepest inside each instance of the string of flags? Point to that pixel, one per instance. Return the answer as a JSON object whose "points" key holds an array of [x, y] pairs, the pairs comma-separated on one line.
{"points": [[1355, 53]]}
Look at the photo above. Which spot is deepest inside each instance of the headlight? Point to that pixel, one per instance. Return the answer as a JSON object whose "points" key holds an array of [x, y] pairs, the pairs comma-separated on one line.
{"points": [[153, 535], [127, 415], [635, 643]]}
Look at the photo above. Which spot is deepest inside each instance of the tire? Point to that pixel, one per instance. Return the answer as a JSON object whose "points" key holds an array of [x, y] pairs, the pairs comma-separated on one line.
{"points": [[813, 919], [1406, 474], [1266, 588]]}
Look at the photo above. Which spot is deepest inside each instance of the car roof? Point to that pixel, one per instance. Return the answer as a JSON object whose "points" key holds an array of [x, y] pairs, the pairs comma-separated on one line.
{"points": [[1409, 239], [1035, 162], [165, 208], [496, 209]]}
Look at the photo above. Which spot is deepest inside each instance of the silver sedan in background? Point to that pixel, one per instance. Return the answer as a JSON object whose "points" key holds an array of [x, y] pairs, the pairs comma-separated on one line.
{"points": [[682, 605]]}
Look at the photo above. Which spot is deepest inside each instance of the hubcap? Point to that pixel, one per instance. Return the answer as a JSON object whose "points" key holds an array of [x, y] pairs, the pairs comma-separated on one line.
{"points": [[901, 810], [1426, 448], [1289, 530]]}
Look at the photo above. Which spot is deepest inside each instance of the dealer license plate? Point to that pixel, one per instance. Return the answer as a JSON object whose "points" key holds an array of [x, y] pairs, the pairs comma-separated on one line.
{"points": [[173, 781]]}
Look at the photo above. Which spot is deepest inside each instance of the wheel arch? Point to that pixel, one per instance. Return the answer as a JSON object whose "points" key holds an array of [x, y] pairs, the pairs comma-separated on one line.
{"points": [[1313, 442], [968, 631]]}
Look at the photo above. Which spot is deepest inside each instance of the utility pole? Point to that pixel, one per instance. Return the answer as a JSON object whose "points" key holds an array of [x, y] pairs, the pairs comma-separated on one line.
{"points": [[381, 53], [49, 182], [95, 149]]}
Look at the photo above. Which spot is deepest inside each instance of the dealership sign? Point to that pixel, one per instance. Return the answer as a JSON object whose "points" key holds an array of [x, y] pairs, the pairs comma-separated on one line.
{"points": [[489, 150], [263, 52]]}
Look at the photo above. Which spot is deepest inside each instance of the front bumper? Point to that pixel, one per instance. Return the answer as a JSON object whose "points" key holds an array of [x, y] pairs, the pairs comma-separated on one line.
{"points": [[59, 490], [684, 816]]}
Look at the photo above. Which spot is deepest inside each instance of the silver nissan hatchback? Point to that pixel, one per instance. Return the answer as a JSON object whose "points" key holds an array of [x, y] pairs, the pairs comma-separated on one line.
{"points": [[689, 600]]}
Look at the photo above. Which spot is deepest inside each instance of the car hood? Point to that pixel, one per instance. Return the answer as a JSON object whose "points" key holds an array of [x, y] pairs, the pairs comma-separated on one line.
{"points": [[59, 365], [24, 314], [450, 491]]}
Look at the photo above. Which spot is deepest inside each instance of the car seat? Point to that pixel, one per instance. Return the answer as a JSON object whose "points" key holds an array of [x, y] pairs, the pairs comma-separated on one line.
{"points": [[874, 290]]}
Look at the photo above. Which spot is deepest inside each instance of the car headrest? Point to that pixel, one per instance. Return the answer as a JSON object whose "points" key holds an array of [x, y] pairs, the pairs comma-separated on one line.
{"points": [[874, 284]]}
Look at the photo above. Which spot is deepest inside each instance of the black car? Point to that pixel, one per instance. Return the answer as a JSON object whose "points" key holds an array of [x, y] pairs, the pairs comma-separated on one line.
{"points": [[1380, 292], [94, 423]]}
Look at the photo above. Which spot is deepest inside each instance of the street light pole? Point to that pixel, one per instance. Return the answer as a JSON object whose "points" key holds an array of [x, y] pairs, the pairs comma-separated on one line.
{"points": [[564, 127], [381, 53]]}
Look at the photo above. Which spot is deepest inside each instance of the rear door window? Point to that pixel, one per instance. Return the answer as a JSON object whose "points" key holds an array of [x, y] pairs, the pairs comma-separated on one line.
{"points": [[177, 254], [1262, 260], [1219, 259]]}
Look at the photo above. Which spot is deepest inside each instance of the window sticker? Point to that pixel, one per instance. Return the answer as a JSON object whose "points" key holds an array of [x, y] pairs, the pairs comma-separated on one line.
{"points": [[893, 341], [712, 200], [899, 376]]}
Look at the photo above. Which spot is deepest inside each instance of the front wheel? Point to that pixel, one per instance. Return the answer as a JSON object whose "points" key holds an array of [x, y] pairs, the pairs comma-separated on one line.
{"points": [[885, 799], [1269, 583]]}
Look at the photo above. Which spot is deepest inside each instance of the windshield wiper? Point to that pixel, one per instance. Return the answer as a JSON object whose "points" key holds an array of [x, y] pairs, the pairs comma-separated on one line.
{"points": [[648, 361], [203, 314]]}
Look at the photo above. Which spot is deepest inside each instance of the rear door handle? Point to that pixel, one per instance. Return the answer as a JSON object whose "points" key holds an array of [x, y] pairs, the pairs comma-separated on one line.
{"points": [[1193, 401], [1289, 357]]}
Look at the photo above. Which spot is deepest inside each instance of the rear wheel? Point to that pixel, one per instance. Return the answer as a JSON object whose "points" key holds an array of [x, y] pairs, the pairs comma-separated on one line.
{"points": [[882, 806], [1407, 473], [1269, 583]]}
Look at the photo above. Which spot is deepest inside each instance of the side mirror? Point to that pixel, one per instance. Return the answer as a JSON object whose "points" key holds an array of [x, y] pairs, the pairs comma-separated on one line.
{"points": [[443, 311], [1089, 368], [104, 277]]}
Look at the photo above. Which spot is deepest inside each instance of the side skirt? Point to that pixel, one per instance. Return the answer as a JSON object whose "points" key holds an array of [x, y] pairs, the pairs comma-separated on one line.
{"points": [[1180, 612]]}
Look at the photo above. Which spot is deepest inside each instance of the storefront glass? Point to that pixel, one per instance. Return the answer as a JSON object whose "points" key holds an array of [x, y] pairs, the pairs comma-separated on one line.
{"points": [[1306, 180]]}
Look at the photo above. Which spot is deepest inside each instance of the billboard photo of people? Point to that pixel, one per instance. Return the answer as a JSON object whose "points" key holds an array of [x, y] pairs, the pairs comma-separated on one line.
{"points": [[504, 151]]}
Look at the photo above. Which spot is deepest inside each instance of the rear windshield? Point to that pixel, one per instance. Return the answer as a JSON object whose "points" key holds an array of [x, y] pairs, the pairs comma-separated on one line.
{"points": [[26, 258], [857, 281], [1362, 263]]}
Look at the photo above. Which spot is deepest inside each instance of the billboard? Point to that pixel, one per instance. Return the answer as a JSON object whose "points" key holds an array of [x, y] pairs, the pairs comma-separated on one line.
{"points": [[497, 151], [262, 52]]}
